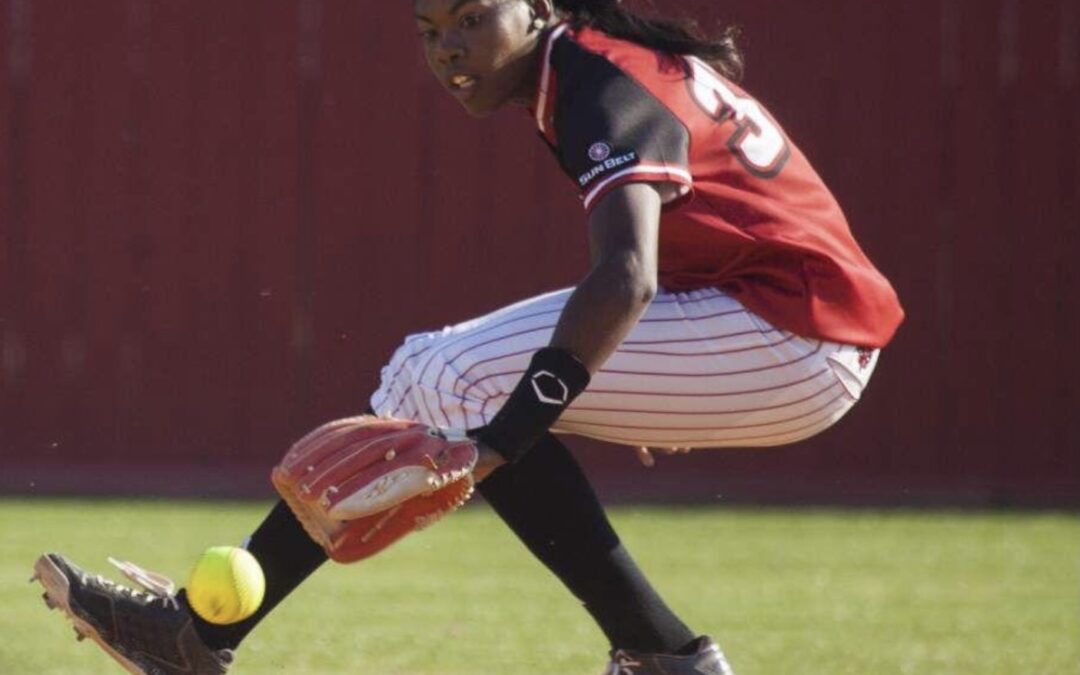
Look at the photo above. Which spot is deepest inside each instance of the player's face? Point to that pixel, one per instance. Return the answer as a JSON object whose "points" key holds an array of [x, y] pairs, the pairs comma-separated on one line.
{"points": [[482, 51]]}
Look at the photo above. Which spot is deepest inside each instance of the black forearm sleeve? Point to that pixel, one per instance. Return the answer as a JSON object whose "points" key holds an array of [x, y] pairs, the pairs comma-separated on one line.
{"points": [[553, 380]]}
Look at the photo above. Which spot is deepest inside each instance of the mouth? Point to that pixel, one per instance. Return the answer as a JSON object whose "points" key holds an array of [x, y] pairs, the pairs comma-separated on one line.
{"points": [[462, 85]]}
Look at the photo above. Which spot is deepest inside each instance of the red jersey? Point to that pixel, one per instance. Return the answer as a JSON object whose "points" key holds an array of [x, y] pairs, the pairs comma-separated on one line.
{"points": [[754, 218]]}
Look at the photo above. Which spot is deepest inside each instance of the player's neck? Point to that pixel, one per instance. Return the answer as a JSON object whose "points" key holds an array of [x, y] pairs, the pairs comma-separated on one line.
{"points": [[525, 96]]}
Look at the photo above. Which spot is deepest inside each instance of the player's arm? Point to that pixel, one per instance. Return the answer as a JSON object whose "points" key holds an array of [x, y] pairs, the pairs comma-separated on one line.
{"points": [[607, 303], [605, 306], [627, 152]]}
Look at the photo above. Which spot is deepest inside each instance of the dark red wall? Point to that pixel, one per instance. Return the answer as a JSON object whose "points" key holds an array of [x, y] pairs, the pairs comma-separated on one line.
{"points": [[218, 219]]}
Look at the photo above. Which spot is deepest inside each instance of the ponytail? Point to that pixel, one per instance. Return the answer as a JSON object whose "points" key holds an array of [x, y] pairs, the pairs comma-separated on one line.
{"points": [[671, 36]]}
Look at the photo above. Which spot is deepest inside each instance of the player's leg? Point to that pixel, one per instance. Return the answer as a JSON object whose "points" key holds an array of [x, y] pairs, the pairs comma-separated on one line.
{"points": [[442, 379], [570, 532], [548, 502], [701, 371], [287, 556], [698, 371]]}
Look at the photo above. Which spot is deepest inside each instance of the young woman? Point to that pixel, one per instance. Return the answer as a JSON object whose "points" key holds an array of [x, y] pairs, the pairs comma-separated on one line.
{"points": [[727, 304]]}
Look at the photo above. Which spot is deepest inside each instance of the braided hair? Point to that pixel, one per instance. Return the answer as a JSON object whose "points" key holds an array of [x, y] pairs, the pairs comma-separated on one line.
{"points": [[665, 35]]}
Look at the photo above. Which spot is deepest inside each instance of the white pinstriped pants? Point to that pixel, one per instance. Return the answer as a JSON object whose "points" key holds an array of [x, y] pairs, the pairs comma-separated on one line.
{"points": [[699, 370]]}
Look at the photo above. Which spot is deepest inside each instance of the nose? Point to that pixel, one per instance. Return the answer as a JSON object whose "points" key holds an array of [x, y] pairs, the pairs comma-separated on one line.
{"points": [[450, 48]]}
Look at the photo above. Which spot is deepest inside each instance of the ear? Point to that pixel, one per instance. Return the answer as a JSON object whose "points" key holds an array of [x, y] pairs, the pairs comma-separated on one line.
{"points": [[542, 11]]}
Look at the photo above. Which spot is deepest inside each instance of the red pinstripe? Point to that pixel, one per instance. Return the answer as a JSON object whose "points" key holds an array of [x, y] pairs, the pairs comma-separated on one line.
{"points": [[714, 427], [726, 373], [474, 383], [427, 347], [743, 411], [462, 377], [692, 319], [674, 299], [792, 434], [681, 394], [464, 373], [467, 336], [739, 350], [701, 339], [653, 374], [680, 320], [653, 394]]}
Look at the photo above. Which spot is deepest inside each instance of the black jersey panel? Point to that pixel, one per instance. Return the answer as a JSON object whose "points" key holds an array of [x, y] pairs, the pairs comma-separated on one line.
{"points": [[606, 122]]}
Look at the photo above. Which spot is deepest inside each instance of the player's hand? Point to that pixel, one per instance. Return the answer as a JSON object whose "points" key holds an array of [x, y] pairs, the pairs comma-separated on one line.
{"points": [[359, 484], [645, 456]]}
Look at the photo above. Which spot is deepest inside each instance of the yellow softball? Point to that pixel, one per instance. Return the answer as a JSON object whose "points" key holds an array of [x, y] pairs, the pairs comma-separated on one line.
{"points": [[226, 585]]}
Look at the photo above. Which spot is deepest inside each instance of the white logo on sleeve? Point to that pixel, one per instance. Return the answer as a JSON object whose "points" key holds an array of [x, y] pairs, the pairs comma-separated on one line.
{"points": [[599, 151], [549, 388], [607, 164]]}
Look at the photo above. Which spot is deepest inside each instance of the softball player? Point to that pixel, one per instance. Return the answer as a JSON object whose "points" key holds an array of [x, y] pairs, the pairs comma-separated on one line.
{"points": [[727, 305]]}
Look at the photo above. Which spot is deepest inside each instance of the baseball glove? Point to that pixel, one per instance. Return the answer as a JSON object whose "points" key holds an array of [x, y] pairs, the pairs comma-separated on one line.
{"points": [[359, 484]]}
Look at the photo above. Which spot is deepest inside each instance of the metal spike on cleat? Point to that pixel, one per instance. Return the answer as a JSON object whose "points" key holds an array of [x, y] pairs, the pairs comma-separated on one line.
{"points": [[35, 577], [48, 601], [79, 636]]}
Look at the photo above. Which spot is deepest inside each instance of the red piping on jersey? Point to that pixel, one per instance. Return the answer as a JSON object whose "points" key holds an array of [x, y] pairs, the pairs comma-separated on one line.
{"points": [[545, 92], [651, 171]]}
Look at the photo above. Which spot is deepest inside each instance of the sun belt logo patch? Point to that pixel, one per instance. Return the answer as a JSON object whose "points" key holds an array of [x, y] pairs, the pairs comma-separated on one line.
{"points": [[611, 162], [599, 151]]}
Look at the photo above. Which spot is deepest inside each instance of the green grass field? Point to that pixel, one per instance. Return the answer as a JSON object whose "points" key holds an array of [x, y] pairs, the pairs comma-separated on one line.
{"points": [[787, 592]]}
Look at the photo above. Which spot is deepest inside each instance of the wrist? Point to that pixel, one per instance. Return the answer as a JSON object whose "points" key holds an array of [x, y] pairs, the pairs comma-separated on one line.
{"points": [[554, 378], [487, 461]]}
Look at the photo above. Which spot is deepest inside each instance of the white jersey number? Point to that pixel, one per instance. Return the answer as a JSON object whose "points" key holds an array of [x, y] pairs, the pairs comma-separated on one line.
{"points": [[757, 142]]}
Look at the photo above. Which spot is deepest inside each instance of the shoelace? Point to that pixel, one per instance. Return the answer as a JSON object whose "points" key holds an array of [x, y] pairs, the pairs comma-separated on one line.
{"points": [[157, 587], [155, 583], [621, 662]]}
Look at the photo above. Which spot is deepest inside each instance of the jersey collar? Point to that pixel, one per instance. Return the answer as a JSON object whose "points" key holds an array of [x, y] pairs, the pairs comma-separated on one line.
{"points": [[542, 106]]}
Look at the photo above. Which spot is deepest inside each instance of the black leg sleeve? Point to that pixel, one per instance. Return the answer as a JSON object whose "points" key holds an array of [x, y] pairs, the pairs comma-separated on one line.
{"points": [[287, 556], [548, 502]]}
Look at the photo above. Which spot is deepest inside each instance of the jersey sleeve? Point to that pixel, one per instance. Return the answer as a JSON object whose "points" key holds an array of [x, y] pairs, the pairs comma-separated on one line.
{"points": [[610, 130]]}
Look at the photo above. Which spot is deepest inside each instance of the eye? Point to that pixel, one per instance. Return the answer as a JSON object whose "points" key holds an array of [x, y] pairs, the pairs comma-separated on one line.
{"points": [[471, 20], [428, 35]]}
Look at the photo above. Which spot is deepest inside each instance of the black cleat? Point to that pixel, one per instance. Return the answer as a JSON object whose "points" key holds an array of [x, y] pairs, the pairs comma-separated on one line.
{"points": [[148, 633], [707, 659]]}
